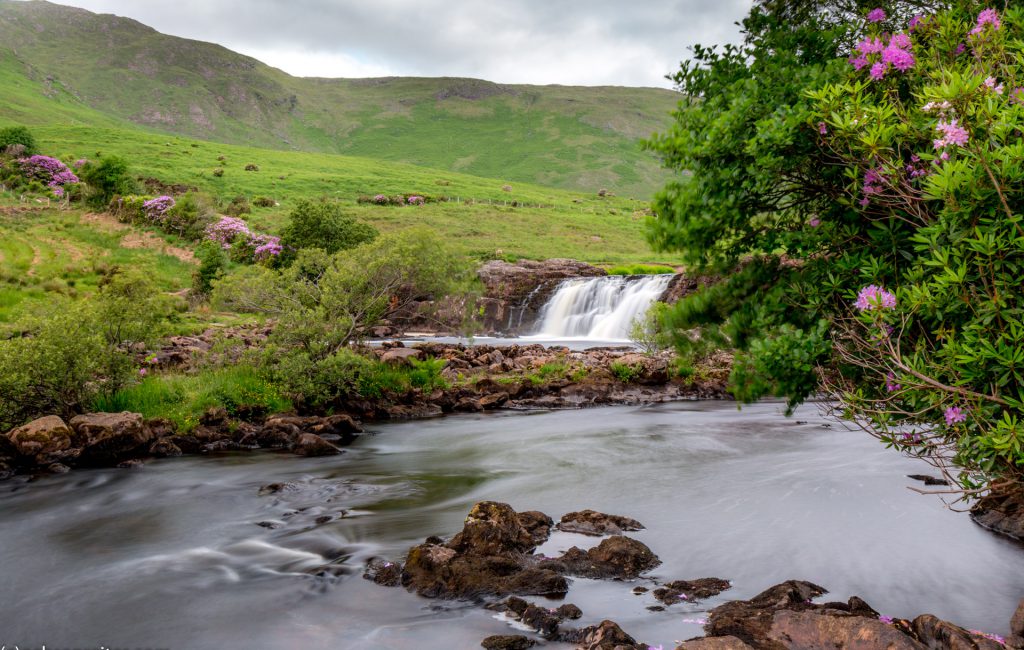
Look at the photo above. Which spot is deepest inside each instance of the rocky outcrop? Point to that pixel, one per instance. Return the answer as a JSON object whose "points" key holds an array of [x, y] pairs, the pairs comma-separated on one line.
{"points": [[490, 556], [40, 442], [108, 438], [1002, 511], [591, 522], [690, 591], [508, 642], [615, 557]]}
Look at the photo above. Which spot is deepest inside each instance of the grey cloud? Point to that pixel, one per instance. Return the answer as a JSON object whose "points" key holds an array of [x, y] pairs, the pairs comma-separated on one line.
{"points": [[516, 41]]}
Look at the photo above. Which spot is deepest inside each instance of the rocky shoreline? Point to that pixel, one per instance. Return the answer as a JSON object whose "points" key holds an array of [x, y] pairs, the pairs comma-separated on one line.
{"points": [[480, 378], [493, 561]]}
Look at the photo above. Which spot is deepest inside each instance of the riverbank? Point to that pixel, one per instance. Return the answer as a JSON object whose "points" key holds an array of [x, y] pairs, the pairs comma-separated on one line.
{"points": [[473, 379]]}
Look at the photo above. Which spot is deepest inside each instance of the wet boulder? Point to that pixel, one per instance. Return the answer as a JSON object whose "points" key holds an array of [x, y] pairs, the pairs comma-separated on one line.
{"points": [[40, 442], [164, 448], [591, 522], [645, 369], [493, 528], [537, 524], [605, 636], [1016, 639], [688, 591], [310, 444], [834, 629], [714, 643], [615, 557], [108, 437], [507, 642], [934, 632], [278, 433], [750, 620], [401, 356], [383, 573]]}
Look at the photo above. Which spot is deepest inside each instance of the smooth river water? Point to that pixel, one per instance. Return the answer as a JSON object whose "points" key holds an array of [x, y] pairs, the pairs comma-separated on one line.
{"points": [[171, 556]]}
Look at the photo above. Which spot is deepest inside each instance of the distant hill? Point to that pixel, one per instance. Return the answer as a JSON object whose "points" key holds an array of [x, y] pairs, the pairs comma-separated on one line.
{"points": [[73, 65]]}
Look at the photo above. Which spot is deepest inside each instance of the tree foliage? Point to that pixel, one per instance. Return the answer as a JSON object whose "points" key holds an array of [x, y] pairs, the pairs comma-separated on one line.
{"points": [[855, 177], [18, 135], [323, 225]]}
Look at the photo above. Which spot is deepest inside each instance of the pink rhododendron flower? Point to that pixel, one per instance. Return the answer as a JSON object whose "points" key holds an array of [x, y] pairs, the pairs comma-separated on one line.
{"points": [[954, 414], [987, 17], [876, 15], [873, 297]]}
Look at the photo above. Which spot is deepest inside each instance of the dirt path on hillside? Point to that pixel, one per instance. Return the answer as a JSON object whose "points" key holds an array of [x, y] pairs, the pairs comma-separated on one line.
{"points": [[137, 239], [37, 259]]}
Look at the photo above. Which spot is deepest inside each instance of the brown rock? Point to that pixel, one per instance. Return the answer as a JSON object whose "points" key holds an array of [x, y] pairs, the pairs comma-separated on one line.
{"points": [[401, 356], [816, 630], [615, 557], [508, 642], [1016, 639], [310, 444], [591, 522], [493, 528], [1002, 511], [714, 643], [933, 632], [605, 636], [41, 440], [693, 590], [649, 370], [165, 448], [108, 437], [537, 524], [750, 620]]}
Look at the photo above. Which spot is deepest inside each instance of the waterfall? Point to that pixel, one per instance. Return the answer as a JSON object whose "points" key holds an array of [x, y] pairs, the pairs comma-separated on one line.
{"points": [[599, 308]]}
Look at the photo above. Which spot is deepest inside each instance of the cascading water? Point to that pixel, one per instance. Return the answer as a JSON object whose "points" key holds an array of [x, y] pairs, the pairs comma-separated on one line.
{"points": [[599, 308]]}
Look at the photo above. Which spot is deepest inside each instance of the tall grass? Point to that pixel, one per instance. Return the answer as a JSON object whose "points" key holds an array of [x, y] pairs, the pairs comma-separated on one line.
{"points": [[640, 269], [182, 399]]}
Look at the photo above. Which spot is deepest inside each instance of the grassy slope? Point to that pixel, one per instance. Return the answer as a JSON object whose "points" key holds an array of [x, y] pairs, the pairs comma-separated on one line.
{"points": [[570, 137]]}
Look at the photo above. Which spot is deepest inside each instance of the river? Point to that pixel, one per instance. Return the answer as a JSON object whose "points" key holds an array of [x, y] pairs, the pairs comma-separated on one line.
{"points": [[171, 556]]}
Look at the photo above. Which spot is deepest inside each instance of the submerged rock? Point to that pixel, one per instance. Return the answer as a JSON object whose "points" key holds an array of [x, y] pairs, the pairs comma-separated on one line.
{"points": [[615, 557], [508, 642], [1002, 511], [591, 522], [605, 636], [688, 591], [310, 444]]}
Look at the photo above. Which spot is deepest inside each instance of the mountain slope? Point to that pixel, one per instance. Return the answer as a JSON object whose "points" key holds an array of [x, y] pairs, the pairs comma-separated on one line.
{"points": [[572, 137]]}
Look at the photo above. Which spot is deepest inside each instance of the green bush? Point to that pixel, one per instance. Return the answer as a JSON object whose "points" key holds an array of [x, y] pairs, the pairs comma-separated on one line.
{"points": [[18, 135], [324, 225], [213, 263], [79, 351], [107, 178], [238, 206], [189, 217], [625, 372]]}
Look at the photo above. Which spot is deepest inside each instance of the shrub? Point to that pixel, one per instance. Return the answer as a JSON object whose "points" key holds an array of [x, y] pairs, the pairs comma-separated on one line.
{"points": [[238, 206], [45, 169], [324, 225], [212, 265], [78, 351], [189, 216], [106, 179], [14, 136], [625, 372], [252, 167], [264, 202], [218, 172]]}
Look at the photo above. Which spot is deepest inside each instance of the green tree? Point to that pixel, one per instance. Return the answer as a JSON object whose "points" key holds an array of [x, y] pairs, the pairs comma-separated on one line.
{"points": [[323, 225], [107, 178], [18, 135]]}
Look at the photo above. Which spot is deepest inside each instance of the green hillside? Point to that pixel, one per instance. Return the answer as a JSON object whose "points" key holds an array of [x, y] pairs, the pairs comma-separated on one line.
{"points": [[570, 137]]}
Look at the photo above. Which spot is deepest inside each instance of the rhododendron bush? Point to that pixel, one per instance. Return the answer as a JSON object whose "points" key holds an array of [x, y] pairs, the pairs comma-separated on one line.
{"points": [[865, 212]]}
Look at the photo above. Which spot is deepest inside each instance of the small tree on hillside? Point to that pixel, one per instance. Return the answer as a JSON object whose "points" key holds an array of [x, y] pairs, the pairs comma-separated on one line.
{"points": [[323, 225], [18, 135]]}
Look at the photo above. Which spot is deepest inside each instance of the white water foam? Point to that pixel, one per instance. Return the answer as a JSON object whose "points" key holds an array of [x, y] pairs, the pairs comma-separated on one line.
{"points": [[599, 308]]}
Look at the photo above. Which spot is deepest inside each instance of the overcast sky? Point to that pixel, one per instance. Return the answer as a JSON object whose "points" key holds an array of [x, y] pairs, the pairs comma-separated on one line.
{"points": [[572, 42]]}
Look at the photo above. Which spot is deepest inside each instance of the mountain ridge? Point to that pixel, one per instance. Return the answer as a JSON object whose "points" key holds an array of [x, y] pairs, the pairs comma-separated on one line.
{"points": [[578, 137]]}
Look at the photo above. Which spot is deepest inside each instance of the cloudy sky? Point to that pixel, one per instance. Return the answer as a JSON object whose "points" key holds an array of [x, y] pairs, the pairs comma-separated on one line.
{"points": [[580, 42]]}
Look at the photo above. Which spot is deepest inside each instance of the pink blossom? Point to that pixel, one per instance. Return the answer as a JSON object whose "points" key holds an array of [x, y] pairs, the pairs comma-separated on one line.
{"points": [[876, 15], [898, 58], [987, 17], [814, 222], [870, 46], [822, 128], [157, 208], [961, 48], [890, 383], [990, 83], [143, 372], [885, 619], [873, 297], [226, 231], [858, 62], [901, 41], [952, 133], [954, 415], [878, 71], [915, 22]]}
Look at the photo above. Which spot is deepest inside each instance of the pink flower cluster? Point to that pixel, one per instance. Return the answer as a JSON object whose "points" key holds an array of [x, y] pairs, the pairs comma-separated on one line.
{"points": [[232, 230], [415, 200], [48, 170], [227, 231], [894, 54], [994, 86], [876, 15], [158, 207], [380, 199], [987, 17], [265, 246], [952, 133], [873, 297], [954, 415]]}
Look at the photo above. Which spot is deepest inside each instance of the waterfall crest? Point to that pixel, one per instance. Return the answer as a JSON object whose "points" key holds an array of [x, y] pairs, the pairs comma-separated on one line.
{"points": [[599, 308]]}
